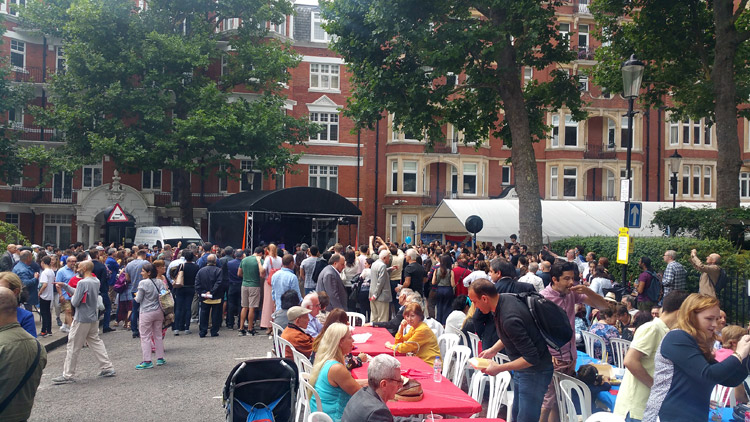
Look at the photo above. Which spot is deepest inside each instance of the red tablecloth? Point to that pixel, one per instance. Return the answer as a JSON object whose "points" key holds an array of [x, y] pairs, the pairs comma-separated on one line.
{"points": [[375, 345], [475, 420], [442, 398]]}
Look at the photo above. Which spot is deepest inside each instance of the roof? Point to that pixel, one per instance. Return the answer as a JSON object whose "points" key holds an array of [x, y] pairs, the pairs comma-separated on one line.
{"points": [[298, 200], [560, 219]]}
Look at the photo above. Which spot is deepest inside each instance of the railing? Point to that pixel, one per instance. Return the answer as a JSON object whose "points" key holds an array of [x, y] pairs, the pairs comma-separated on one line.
{"points": [[599, 151], [734, 298], [445, 148], [600, 198], [163, 199], [33, 74], [33, 133], [583, 7], [435, 197], [42, 196], [586, 53]]}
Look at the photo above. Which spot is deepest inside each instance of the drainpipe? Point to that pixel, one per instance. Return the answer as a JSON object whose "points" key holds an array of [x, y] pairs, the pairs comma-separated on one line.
{"points": [[44, 80], [648, 149], [359, 144], [377, 175], [658, 152]]}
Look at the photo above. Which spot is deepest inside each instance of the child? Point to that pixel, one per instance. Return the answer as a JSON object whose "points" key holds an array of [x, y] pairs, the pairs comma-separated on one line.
{"points": [[596, 383]]}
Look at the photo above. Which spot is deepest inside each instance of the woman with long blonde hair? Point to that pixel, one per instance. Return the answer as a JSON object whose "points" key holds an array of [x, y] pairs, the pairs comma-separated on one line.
{"points": [[271, 264], [329, 376], [685, 367]]}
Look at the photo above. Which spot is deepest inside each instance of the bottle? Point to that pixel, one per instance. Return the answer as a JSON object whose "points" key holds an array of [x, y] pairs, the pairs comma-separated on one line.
{"points": [[438, 366]]}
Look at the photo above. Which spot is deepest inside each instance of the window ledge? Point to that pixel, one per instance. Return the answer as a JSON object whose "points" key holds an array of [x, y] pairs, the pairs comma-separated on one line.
{"points": [[325, 90]]}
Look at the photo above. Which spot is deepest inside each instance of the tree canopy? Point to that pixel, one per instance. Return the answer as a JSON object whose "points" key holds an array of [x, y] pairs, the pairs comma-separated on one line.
{"points": [[142, 86], [433, 63]]}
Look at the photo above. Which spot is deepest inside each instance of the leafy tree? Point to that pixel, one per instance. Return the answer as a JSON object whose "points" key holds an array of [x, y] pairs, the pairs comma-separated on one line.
{"points": [[11, 234], [139, 85], [696, 54], [403, 55]]}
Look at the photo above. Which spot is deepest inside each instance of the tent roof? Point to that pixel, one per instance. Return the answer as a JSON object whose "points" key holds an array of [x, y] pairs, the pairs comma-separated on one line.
{"points": [[298, 200], [560, 218]]}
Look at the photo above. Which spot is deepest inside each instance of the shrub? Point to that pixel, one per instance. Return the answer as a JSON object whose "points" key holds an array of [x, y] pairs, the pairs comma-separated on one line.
{"points": [[703, 223], [10, 234]]}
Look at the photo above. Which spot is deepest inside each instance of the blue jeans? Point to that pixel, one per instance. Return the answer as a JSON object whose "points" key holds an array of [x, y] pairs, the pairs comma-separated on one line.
{"points": [[529, 388], [183, 299], [309, 290]]}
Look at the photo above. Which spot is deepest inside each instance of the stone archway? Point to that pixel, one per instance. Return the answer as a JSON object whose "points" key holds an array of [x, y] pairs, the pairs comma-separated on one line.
{"points": [[104, 197]]}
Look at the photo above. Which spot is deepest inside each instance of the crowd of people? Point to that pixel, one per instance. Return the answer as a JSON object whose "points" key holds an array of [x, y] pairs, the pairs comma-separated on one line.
{"points": [[406, 289]]}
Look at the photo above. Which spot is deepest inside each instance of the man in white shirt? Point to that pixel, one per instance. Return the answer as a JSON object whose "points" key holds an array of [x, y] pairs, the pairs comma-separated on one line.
{"points": [[531, 277]]}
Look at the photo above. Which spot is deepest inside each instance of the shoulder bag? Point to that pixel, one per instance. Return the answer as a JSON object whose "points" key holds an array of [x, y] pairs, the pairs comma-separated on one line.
{"points": [[25, 378], [166, 302], [180, 280]]}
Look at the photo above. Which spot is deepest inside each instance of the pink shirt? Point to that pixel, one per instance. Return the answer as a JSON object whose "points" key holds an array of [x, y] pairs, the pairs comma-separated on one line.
{"points": [[568, 303], [722, 354]]}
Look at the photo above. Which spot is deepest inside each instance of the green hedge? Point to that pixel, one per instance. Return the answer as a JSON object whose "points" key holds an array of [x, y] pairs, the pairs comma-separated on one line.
{"points": [[654, 247], [10, 234]]}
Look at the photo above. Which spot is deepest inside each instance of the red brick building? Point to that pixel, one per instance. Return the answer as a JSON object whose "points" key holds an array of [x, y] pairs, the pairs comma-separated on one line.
{"points": [[386, 173]]}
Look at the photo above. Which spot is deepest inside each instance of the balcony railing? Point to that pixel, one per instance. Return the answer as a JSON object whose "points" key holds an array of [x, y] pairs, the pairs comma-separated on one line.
{"points": [[599, 151], [42, 196], [435, 197], [586, 53], [582, 7], [33, 74], [163, 199], [34, 133], [445, 148], [600, 198]]}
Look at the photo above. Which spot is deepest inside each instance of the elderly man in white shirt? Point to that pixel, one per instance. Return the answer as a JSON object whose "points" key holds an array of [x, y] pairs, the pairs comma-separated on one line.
{"points": [[531, 277], [312, 303]]}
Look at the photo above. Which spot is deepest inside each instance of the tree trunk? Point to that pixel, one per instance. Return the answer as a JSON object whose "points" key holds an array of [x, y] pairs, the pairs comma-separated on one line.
{"points": [[728, 163], [184, 195], [522, 152]]}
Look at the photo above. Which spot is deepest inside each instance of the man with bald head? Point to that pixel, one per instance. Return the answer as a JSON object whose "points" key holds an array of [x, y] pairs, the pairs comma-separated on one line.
{"points": [[20, 352], [7, 261], [210, 285], [710, 272]]}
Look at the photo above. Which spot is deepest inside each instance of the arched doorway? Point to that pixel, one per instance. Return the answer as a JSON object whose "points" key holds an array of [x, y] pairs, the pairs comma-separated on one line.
{"points": [[117, 233]]}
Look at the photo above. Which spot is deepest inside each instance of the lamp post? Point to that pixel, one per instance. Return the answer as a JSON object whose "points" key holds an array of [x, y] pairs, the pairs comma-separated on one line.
{"points": [[632, 74], [675, 163]]}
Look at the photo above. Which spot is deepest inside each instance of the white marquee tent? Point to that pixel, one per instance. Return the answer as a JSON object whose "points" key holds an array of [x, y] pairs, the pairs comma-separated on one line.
{"points": [[560, 219]]}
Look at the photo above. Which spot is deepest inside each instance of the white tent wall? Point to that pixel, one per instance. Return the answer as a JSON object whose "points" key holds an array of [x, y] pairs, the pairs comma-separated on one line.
{"points": [[561, 219]]}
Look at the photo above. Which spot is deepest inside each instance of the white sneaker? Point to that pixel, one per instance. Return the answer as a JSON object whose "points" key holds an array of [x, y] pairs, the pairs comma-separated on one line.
{"points": [[64, 329]]}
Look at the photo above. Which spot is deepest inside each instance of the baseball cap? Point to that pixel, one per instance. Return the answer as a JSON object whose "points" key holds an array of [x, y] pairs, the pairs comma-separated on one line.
{"points": [[295, 312], [35, 246]]}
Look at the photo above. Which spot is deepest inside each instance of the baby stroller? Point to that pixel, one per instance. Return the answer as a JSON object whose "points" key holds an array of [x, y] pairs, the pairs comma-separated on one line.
{"points": [[261, 390]]}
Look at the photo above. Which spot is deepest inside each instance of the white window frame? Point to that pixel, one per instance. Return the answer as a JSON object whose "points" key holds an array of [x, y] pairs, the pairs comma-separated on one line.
{"points": [[553, 182], [564, 32], [317, 21], [89, 181], [468, 172], [409, 168], [624, 133], [56, 222], [583, 34], [609, 185], [330, 123], [707, 181], [142, 5], [505, 175], [555, 138], [697, 181], [686, 181], [569, 122], [230, 24], [60, 63], [406, 220], [573, 177], [224, 65], [325, 77], [13, 218], [583, 82], [393, 227], [279, 180], [279, 28], [7, 5], [323, 175], [66, 184], [674, 133], [528, 75], [19, 48], [15, 117], [223, 180], [394, 176], [148, 176], [745, 180]]}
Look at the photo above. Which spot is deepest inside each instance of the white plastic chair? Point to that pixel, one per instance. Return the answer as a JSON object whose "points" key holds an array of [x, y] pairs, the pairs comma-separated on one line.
{"points": [[565, 384], [277, 330], [724, 396], [435, 326], [605, 417], [283, 345], [446, 342], [319, 417], [356, 319], [303, 398], [455, 361], [303, 363], [568, 411], [619, 349], [498, 392], [474, 340], [501, 358], [477, 385], [589, 340], [462, 337]]}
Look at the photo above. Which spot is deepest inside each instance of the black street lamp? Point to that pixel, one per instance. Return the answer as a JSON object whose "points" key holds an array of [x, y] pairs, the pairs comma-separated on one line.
{"points": [[632, 74], [675, 163]]}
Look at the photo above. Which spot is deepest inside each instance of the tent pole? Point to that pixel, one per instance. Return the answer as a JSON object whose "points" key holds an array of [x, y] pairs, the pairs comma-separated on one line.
{"points": [[252, 231], [356, 243]]}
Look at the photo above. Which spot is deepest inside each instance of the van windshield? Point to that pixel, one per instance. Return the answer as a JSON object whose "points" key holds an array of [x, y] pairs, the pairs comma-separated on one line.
{"points": [[185, 242]]}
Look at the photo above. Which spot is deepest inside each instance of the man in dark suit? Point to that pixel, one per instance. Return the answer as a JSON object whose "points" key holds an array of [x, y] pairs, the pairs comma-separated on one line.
{"points": [[369, 403], [7, 262]]}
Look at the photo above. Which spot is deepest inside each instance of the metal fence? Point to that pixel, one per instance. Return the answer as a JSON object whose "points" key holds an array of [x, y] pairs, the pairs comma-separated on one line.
{"points": [[734, 299]]}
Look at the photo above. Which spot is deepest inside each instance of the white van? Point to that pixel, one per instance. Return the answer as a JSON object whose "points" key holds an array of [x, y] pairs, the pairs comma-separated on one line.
{"points": [[161, 235]]}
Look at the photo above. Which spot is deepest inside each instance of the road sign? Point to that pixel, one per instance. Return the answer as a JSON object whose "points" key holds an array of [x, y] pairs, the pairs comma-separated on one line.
{"points": [[624, 190], [635, 211], [623, 243], [117, 215]]}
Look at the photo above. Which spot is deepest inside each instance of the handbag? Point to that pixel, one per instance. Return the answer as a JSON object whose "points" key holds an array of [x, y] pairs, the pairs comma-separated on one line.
{"points": [[271, 272], [166, 302], [25, 378], [180, 280]]}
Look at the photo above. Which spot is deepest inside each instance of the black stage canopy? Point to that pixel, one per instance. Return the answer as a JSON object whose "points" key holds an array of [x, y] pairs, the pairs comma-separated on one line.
{"points": [[298, 200]]}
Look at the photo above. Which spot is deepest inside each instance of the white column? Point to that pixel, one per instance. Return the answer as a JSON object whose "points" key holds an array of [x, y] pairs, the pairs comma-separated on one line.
{"points": [[92, 235]]}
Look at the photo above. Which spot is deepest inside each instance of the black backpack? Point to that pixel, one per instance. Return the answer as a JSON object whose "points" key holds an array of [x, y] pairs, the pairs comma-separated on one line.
{"points": [[551, 320], [721, 282], [654, 290], [320, 264]]}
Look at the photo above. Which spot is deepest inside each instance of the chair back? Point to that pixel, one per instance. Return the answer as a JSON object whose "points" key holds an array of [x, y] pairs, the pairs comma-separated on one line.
{"points": [[303, 399], [455, 361], [589, 340], [462, 337], [619, 349], [356, 319], [303, 363], [605, 417], [435, 326], [277, 330], [283, 345], [565, 384], [446, 342], [501, 358], [498, 391], [319, 417], [723, 396], [474, 340]]}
